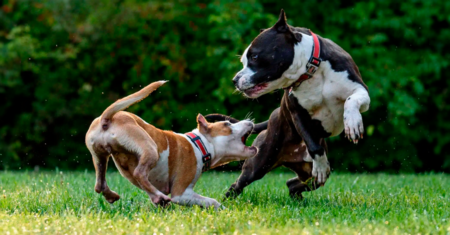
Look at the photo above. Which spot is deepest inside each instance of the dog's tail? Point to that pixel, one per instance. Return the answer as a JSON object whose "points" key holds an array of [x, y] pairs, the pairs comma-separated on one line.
{"points": [[126, 102], [220, 117]]}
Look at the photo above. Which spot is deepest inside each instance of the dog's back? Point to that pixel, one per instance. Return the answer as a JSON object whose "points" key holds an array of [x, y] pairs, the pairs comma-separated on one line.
{"points": [[116, 131], [98, 138]]}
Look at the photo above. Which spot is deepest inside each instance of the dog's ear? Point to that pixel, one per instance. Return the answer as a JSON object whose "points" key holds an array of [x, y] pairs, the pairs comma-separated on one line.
{"points": [[281, 25], [202, 124]]}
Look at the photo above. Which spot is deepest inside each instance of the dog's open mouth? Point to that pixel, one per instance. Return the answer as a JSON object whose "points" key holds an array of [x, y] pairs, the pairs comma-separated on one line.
{"points": [[248, 149], [245, 136], [255, 89], [244, 140]]}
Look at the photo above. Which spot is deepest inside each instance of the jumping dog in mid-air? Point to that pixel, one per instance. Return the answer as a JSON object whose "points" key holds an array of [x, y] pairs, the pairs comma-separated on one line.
{"points": [[323, 95]]}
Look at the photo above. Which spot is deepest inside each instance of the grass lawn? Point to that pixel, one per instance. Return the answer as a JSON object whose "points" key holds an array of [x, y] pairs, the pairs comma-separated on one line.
{"points": [[65, 203]]}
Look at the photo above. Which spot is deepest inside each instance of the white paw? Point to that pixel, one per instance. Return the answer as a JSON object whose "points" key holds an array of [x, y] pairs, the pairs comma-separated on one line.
{"points": [[217, 206], [354, 128], [321, 169]]}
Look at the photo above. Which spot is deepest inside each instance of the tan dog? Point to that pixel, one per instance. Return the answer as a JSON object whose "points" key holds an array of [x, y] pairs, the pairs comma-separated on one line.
{"points": [[162, 162]]}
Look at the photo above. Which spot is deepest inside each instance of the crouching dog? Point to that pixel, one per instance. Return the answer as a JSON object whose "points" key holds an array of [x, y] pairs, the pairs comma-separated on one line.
{"points": [[162, 162]]}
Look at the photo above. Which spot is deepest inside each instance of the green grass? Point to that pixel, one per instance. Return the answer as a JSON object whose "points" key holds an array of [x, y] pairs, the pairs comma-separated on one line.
{"points": [[65, 203]]}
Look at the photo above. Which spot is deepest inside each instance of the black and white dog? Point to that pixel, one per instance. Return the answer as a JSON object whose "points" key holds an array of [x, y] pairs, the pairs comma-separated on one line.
{"points": [[324, 95]]}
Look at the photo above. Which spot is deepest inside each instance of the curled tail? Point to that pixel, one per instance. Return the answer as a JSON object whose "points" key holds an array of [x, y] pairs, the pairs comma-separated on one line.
{"points": [[126, 102], [220, 117]]}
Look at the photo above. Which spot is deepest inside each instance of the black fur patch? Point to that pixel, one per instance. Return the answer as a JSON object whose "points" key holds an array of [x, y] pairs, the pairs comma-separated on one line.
{"points": [[310, 129], [270, 54]]}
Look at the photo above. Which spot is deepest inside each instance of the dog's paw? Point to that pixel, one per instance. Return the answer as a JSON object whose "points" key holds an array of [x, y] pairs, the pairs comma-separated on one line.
{"points": [[111, 196], [161, 200], [217, 206], [321, 169], [232, 192], [354, 128]]}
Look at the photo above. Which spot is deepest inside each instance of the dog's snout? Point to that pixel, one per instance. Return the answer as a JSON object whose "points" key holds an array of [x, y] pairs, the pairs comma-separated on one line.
{"points": [[236, 79]]}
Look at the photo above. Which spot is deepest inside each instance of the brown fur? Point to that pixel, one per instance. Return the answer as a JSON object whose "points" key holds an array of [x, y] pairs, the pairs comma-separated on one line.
{"points": [[182, 164], [136, 147], [218, 129]]}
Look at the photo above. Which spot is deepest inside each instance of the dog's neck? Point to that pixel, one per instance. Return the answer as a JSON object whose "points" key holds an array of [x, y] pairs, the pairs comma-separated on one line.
{"points": [[302, 53], [215, 153]]}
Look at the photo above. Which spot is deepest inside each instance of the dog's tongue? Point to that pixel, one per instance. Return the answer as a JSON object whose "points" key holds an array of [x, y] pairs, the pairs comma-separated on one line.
{"points": [[243, 139]]}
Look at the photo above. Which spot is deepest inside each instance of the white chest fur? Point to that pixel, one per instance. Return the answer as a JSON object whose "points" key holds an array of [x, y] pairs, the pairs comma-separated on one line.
{"points": [[324, 95]]}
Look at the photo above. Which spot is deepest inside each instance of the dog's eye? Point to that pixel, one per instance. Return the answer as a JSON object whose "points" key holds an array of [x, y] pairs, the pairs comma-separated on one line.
{"points": [[254, 57], [227, 124]]}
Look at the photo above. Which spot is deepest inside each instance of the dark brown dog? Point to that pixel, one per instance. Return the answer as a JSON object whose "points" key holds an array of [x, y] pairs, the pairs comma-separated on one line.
{"points": [[278, 144]]}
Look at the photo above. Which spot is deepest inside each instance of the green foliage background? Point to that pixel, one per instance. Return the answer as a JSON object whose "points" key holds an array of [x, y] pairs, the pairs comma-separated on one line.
{"points": [[63, 62]]}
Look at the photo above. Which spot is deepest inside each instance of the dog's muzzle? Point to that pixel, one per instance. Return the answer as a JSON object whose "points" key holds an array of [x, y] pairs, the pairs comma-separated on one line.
{"points": [[236, 80]]}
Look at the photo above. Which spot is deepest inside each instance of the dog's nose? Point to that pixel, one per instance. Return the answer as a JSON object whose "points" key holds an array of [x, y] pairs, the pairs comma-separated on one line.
{"points": [[236, 79]]}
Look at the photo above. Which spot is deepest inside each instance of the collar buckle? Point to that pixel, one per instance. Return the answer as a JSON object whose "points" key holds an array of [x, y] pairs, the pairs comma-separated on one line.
{"points": [[312, 66]]}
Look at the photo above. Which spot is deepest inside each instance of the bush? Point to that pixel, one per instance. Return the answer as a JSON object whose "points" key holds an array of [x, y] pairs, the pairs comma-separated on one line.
{"points": [[63, 62]]}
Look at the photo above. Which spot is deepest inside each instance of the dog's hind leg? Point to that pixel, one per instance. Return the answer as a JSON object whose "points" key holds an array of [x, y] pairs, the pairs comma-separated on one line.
{"points": [[100, 164], [100, 156], [303, 182]]}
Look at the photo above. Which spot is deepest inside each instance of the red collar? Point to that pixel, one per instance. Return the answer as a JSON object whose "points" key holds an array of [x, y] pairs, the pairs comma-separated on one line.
{"points": [[206, 157], [313, 63]]}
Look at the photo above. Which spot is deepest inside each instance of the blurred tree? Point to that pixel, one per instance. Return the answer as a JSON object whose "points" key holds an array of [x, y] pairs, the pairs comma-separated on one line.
{"points": [[63, 62]]}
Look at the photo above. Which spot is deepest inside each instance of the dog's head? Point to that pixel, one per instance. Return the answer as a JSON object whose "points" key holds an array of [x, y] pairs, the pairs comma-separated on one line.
{"points": [[266, 59], [228, 140]]}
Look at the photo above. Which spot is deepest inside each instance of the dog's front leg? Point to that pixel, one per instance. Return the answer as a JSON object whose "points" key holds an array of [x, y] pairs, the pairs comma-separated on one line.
{"points": [[136, 140], [354, 105], [303, 125], [189, 198], [146, 162], [269, 143]]}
